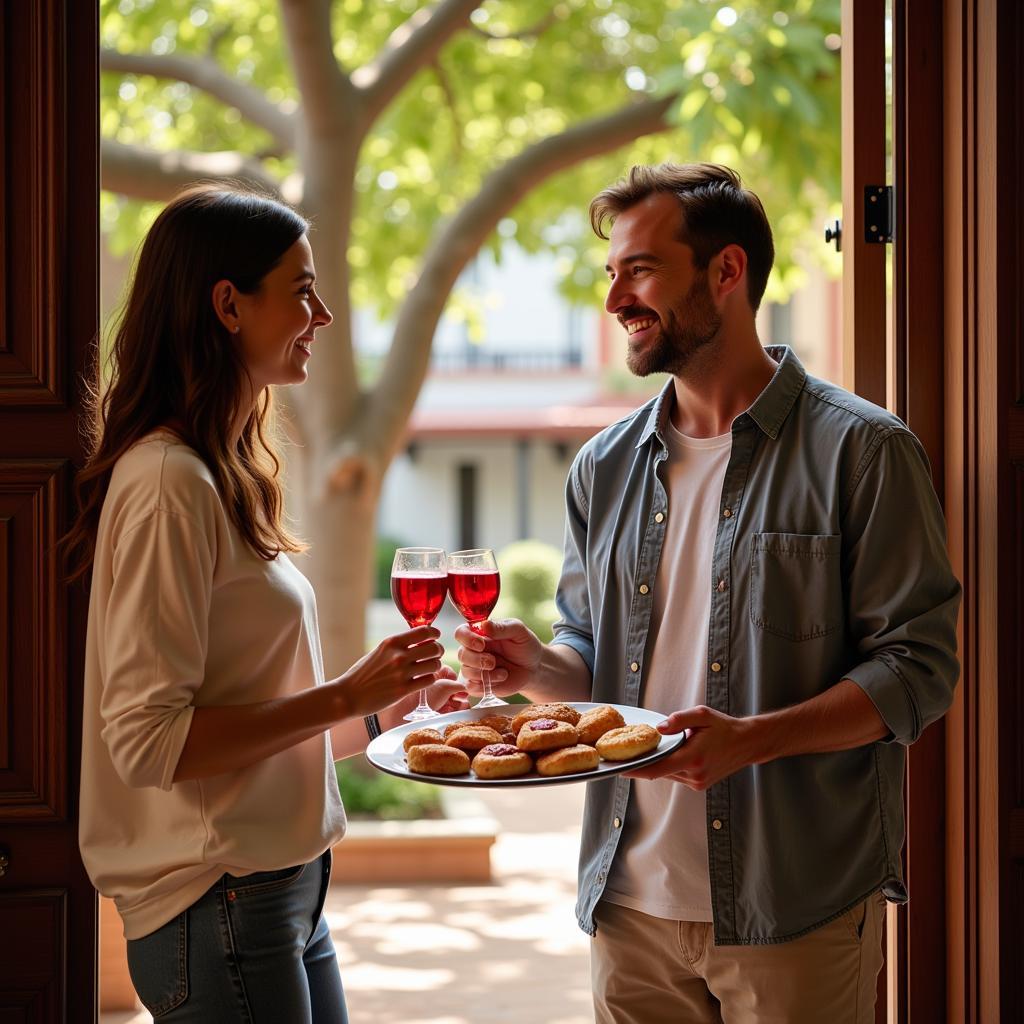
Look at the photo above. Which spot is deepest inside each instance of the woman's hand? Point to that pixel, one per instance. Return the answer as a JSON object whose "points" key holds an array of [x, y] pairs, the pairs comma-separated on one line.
{"points": [[447, 694], [507, 649], [395, 668]]}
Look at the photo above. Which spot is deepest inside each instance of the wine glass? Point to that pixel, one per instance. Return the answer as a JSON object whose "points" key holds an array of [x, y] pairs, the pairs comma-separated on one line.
{"points": [[419, 581], [473, 586]]}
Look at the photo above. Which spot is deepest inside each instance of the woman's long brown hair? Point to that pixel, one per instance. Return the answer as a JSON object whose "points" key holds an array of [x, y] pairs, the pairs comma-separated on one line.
{"points": [[174, 364]]}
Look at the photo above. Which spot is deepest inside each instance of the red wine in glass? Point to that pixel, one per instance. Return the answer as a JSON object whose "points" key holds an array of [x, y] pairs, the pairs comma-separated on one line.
{"points": [[473, 586], [418, 597], [474, 593], [419, 582]]}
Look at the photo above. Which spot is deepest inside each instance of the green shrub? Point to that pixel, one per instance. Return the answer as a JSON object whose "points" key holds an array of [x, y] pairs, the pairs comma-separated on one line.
{"points": [[529, 576], [384, 796], [384, 557]]}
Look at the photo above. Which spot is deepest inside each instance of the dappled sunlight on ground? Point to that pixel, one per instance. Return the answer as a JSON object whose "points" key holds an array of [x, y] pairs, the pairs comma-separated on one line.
{"points": [[509, 951]]}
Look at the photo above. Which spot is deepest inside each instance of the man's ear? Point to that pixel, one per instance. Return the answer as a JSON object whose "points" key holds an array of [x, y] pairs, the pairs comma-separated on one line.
{"points": [[728, 271], [225, 305]]}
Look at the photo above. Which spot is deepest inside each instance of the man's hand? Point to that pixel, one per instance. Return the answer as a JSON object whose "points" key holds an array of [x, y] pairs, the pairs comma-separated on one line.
{"points": [[445, 694], [507, 649], [716, 746]]}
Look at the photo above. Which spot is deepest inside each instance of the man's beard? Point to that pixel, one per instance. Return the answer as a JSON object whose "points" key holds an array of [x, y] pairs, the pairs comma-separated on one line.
{"points": [[680, 337]]}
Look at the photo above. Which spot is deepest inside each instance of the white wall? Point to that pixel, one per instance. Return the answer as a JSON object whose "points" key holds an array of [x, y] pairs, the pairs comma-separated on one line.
{"points": [[419, 504]]}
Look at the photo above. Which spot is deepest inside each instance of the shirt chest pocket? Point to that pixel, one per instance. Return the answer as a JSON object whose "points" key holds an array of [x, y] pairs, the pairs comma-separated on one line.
{"points": [[795, 584]]}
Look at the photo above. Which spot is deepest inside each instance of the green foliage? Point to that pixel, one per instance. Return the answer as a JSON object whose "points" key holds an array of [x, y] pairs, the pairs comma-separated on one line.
{"points": [[529, 576], [378, 795], [758, 83], [384, 557]]}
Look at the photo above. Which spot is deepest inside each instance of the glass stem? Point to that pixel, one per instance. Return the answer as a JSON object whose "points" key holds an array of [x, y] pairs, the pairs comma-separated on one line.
{"points": [[485, 675]]}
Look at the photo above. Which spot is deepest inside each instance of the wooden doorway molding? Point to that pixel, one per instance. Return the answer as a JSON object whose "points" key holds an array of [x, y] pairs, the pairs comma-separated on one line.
{"points": [[983, 289], [893, 355], [48, 316]]}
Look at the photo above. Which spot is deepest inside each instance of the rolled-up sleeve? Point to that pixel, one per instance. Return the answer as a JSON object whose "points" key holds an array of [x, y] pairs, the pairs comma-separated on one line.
{"points": [[903, 598], [155, 644], [575, 627]]}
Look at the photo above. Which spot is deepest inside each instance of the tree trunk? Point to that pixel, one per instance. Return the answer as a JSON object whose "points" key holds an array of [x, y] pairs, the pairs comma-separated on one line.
{"points": [[340, 528]]}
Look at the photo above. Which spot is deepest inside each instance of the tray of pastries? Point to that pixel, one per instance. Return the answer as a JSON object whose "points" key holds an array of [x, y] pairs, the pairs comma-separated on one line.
{"points": [[524, 745]]}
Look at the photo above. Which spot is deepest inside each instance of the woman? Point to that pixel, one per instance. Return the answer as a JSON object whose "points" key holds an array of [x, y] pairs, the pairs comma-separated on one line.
{"points": [[209, 802]]}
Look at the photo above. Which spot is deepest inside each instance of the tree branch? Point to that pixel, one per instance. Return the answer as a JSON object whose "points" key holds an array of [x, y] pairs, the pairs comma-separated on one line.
{"points": [[148, 174], [449, 95], [413, 45], [327, 93], [452, 249], [538, 28], [206, 74]]}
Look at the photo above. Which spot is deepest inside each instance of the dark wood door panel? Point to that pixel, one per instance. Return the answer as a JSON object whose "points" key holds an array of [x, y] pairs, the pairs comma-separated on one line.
{"points": [[49, 181], [33, 629], [33, 116], [33, 987]]}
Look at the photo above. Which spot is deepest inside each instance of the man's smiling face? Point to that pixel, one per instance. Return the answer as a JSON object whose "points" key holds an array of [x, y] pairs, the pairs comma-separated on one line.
{"points": [[658, 295]]}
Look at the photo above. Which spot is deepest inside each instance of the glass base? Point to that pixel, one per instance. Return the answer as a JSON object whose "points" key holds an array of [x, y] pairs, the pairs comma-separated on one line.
{"points": [[420, 714], [490, 701]]}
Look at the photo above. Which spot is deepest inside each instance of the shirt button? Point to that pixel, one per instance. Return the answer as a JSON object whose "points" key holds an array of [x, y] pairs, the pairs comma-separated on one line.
{"points": [[600, 878], [659, 517], [727, 513], [644, 588], [716, 667], [617, 822], [633, 666], [716, 825], [721, 586]]}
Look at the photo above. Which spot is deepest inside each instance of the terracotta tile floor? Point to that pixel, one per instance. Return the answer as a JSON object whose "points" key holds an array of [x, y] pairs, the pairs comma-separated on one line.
{"points": [[508, 951]]}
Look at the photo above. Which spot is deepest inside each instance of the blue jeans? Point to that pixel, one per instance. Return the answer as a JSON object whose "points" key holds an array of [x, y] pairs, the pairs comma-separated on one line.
{"points": [[250, 950]]}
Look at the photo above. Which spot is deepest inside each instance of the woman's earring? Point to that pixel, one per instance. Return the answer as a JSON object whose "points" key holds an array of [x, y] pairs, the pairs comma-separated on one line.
{"points": [[235, 329]]}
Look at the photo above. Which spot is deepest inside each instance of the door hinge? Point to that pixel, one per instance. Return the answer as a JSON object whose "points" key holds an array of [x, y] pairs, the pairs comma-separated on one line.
{"points": [[878, 213]]}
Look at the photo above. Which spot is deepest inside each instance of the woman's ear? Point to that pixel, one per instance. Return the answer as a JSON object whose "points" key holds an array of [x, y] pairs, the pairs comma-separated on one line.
{"points": [[225, 305]]}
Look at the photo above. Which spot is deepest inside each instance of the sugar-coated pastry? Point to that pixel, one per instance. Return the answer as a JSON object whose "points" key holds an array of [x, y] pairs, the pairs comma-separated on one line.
{"points": [[593, 724], [420, 736], [541, 734], [472, 737], [559, 712], [437, 759], [578, 758], [452, 726], [627, 742], [501, 761], [499, 723]]}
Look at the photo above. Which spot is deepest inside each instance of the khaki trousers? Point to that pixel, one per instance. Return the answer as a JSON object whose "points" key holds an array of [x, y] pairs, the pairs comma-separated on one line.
{"points": [[646, 970]]}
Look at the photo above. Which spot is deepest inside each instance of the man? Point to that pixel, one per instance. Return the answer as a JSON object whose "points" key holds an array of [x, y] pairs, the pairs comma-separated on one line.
{"points": [[759, 555]]}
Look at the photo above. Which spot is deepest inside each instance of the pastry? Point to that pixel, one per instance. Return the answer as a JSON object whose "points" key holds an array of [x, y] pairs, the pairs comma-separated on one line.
{"points": [[559, 712], [593, 724], [542, 734], [499, 723], [437, 759], [501, 761], [578, 758], [627, 742], [420, 736], [472, 737]]}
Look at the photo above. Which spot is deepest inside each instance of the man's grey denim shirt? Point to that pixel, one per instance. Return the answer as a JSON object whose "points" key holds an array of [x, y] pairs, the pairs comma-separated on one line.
{"points": [[829, 563]]}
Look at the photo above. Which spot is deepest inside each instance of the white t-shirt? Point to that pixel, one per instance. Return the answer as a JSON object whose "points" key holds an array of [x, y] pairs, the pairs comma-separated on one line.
{"points": [[183, 614], [661, 865]]}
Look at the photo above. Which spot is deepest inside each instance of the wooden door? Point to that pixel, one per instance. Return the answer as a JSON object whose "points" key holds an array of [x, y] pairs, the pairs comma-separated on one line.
{"points": [[983, 299], [48, 316], [894, 356]]}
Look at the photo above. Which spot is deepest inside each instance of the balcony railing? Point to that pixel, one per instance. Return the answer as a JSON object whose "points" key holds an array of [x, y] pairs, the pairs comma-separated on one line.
{"points": [[514, 359]]}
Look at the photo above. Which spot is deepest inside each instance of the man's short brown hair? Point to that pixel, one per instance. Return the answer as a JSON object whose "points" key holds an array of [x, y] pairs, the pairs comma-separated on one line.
{"points": [[717, 211]]}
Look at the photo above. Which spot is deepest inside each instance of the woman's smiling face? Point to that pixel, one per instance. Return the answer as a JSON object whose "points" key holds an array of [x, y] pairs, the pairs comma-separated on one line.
{"points": [[276, 324]]}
